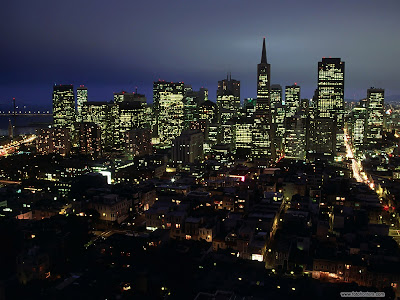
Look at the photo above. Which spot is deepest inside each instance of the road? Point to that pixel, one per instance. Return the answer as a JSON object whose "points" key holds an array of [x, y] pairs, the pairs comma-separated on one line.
{"points": [[358, 174], [14, 145]]}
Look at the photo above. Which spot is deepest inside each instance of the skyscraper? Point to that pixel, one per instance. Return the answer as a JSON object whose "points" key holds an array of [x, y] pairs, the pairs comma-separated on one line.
{"points": [[90, 139], [278, 117], [331, 89], [107, 116], [228, 99], [292, 100], [168, 110], [263, 148], [357, 127], [330, 102], [375, 115], [63, 106], [81, 98]]}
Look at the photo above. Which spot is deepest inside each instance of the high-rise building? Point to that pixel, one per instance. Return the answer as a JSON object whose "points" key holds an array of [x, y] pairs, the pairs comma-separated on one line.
{"points": [[90, 139], [63, 106], [375, 115], [278, 117], [53, 140], [188, 147], [107, 116], [168, 110], [243, 132], [81, 98], [292, 100], [228, 99], [295, 137], [263, 147], [132, 111], [330, 102], [321, 138], [357, 126]]}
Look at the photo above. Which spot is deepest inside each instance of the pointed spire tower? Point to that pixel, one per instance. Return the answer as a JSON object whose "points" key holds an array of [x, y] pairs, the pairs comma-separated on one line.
{"points": [[264, 53], [263, 77], [263, 135]]}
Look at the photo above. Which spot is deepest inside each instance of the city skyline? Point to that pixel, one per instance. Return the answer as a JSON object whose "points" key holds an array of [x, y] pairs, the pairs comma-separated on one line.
{"points": [[63, 53]]}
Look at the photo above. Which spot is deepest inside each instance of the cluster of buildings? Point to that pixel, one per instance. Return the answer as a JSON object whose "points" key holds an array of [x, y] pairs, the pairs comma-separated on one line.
{"points": [[262, 129]]}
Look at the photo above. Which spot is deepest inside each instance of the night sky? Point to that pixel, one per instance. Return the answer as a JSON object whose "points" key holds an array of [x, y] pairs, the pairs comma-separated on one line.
{"points": [[113, 45]]}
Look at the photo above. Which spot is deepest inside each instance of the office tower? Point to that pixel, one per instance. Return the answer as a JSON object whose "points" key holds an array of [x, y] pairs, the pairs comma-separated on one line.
{"points": [[229, 86], [53, 140], [208, 114], [228, 99], [375, 115], [133, 112], [276, 95], [190, 112], [278, 117], [357, 127], [243, 132], [330, 102], [208, 111], [212, 137], [228, 104], [138, 142], [63, 106], [226, 134], [188, 147], [295, 137], [107, 116], [90, 139], [263, 148], [292, 100], [168, 110], [81, 98], [321, 138]]}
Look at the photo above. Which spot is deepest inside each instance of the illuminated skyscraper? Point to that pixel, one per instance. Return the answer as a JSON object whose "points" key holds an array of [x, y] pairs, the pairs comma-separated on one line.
{"points": [[107, 116], [81, 98], [263, 148], [331, 89], [295, 137], [243, 132], [228, 99], [375, 115], [168, 110], [63, 106], [278, 117], [90, 139], [133, 111], [330, 102], [292, 100], [357, 127]]}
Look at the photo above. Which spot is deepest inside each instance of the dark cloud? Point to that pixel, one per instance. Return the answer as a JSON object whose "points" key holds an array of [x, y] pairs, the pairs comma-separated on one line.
{"points": [[110, 45]]}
